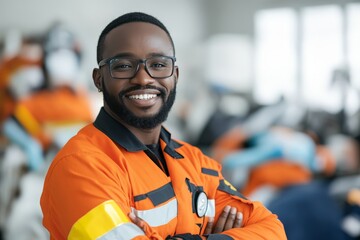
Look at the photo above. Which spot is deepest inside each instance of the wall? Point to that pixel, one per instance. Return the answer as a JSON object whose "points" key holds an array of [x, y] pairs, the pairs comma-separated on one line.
{"points": [[236, 16], [88, 17]]}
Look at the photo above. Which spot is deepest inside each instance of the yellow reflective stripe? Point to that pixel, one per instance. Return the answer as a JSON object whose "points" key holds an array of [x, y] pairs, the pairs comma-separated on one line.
{"points": [[28, 121], [98, 221], [230, 185]]}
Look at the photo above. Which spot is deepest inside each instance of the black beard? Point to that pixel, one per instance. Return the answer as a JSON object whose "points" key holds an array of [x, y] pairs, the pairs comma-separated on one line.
{"points": [[117, 105]]}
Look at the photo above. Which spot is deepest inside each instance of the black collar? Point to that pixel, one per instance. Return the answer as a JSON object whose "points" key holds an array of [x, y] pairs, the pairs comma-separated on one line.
{"points": [[125, 138]]}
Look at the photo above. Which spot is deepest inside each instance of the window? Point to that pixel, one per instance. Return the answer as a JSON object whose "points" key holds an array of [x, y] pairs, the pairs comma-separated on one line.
{"points": [[298, 53], [275, 56], [321, 54], [353, 42]]}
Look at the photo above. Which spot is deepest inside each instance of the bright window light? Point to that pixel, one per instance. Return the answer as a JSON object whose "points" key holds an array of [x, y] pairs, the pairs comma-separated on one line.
{"points": [[322, 53], [275, 57], [353, 53], [353, 40], [228, 62]]}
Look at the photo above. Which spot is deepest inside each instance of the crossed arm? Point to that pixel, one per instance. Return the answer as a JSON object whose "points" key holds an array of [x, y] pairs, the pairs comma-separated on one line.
{"points": [[229, 218]]}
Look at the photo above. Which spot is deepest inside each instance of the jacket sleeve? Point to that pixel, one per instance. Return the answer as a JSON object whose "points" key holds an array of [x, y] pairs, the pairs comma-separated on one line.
{"points": [[258, 222], [84, 199]]}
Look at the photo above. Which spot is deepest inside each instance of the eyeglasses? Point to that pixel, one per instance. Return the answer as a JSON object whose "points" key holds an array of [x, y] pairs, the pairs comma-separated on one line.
{"points": [[126, 68]]}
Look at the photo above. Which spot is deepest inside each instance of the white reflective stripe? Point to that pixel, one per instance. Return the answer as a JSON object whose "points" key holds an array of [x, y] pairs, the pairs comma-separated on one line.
{"points": [[210, 211], [124, 231], [158, 216]]}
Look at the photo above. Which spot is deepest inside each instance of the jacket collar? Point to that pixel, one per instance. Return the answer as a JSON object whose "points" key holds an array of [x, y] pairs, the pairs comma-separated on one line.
{"points": [[125, 138]]}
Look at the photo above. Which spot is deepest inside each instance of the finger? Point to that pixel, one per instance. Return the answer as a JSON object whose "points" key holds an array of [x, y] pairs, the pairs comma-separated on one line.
{"points": [[133, 218], [238, 220], [230, 221], [138, 221], [220, 224], [209, 226]]}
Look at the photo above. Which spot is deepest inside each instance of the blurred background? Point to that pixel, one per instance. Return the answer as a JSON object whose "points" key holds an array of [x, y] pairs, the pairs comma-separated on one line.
{"points": [[269, 88]]}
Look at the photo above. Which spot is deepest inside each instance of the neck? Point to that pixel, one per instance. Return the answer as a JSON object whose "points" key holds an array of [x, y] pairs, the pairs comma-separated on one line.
{"points": [[146, 136]]}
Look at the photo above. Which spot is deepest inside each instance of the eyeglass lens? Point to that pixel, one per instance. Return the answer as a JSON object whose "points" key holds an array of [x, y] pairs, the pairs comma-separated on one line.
{"points": [[156, 67]]}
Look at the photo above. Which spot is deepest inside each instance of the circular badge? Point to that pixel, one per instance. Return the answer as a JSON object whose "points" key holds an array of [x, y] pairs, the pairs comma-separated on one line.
{"points": [[201, 204]]}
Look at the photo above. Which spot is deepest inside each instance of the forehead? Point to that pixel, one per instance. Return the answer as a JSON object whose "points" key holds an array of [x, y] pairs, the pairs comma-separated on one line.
{"points": [[137, 38]]}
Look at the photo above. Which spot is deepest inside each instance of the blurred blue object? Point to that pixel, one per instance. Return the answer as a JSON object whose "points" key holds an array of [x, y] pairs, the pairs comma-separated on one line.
{"points": [[309, 212], [29, 145], [267, 145]]}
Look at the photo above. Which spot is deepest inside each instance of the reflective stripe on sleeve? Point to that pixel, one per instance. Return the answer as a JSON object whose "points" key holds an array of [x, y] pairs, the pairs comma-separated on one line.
{"points": [[160, 215], [210, 211], [124, 231], [106, 218]]}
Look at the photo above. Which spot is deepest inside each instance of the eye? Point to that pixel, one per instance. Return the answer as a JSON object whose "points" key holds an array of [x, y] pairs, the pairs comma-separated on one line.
{"points": [[159, 64], [121, 65]]}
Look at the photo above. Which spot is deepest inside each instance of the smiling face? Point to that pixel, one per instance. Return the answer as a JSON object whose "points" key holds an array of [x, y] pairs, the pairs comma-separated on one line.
{"points": [[142, 101]]}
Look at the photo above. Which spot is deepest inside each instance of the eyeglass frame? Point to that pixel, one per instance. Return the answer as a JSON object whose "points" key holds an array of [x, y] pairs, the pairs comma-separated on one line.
{"points": [[107, 61]]}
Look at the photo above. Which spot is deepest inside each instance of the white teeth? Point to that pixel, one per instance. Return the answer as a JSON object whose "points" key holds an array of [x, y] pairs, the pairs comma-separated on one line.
{"points": [[143, 96]]}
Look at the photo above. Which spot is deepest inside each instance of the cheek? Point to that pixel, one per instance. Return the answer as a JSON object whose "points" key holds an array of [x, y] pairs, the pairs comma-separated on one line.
{"points": [[114, 87], [170, 84]]}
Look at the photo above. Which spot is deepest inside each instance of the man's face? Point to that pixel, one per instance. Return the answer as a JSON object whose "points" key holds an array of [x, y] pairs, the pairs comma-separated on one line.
{"points": [[142, 101]]}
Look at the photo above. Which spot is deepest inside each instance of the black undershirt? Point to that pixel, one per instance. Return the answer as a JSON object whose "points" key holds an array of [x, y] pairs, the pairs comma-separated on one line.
{"points": [[160, 160]]}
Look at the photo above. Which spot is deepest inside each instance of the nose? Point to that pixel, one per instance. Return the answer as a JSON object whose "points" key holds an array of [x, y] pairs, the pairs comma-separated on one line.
{"points": [[142, 77]]}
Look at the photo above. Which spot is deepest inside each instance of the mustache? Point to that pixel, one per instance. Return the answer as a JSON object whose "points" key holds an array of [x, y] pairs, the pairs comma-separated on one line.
{"points": [[134, 88]]}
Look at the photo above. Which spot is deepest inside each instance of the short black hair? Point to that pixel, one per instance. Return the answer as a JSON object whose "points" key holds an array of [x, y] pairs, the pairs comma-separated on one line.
{"points": [[128, 18]]}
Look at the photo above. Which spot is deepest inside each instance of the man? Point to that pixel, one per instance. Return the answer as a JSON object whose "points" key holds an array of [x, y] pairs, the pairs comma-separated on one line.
{"points": [[124, 177]]}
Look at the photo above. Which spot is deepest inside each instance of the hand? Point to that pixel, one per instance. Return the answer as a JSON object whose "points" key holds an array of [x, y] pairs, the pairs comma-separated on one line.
{"points": [[138, 221], [229, 218], [141, 224]]}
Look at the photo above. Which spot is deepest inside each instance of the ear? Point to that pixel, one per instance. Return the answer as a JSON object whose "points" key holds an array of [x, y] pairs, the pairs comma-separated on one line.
{"points": [[96, 75], [176, 74]]}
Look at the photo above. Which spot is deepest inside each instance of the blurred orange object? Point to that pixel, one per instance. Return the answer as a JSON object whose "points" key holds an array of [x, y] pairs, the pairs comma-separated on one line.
{"points": [[353, 197], [277, 173]]}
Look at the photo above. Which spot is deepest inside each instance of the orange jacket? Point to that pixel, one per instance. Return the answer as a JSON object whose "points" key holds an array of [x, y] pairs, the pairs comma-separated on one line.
{"points": [[104, 173], [48, 109], [277, 173]]}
